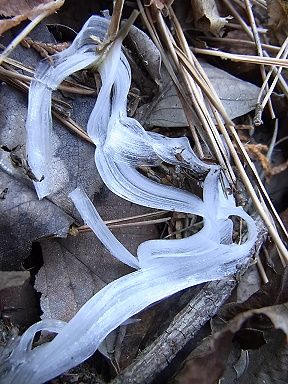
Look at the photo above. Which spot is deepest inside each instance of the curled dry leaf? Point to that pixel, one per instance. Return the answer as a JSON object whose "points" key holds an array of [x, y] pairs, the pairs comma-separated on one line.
{"points": [[207, 362], [146, 50], [23, 9], [205, 17], [238, 97], [278, 16]]}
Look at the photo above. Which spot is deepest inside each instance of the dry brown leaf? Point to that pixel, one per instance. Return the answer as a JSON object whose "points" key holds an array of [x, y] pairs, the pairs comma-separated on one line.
{"points": [[25, 9], [77, 267], [205, 17], [278, 17], [207, 362], [238, 97]]}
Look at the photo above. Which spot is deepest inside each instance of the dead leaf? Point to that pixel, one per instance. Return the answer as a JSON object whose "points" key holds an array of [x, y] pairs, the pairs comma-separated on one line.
{"points": [[25, 9], [268, 364], [19, 304], [74, 270], [207, 362], [10, 279], [249, 284], [23, 217], [278, 17], [77, 267], [144, 48], [205, 17], [238, 97]]}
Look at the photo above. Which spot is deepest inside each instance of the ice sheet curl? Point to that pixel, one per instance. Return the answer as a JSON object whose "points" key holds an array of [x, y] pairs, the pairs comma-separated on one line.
{"points": [[164, 267], [81, 54]]}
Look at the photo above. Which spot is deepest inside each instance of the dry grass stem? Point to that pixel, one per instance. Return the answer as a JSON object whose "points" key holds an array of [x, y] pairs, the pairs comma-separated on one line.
{"points": [[276, 78], [259, 50], [115, 20], [243, 58], [261, 270], [122, 222], [238, 42], [185, 76], [207, 122], [72, 88], [213, 98], [72, 125]]}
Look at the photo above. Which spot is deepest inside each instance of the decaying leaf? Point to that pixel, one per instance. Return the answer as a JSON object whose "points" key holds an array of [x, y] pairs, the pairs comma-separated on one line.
{"points": [[24, 219], [23, 9], [278, 17], [205, 17], [74, 270], [249, 284], [77, 267], [238, 98], [206, 363], [147, 51], [10, 279]]}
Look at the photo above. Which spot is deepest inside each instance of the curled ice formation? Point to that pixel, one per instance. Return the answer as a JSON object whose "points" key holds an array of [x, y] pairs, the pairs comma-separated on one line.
{"points": [[81, 54], [123, 144], [164, 266], [167, 266]]}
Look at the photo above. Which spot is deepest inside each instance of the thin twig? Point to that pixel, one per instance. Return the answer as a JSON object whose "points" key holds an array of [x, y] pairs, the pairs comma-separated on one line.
{"points": [[239, 27], [261, 270], [73, 126], [149, 24], [273, 140], [115, 20], [208, 124], [229, 41], [243, 58], [260, 106], [122, 220], [74, 89], [129, 225], [259, 50], [276, 78], [163, 28]]}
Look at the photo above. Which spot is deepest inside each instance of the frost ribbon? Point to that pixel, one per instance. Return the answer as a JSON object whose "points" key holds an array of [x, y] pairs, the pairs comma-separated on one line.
{"points": [[163, 266], [48, 76]]}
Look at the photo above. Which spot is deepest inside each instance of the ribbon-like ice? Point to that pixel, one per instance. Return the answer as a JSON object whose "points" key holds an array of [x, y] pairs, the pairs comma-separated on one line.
{"points": [[164, 266]]}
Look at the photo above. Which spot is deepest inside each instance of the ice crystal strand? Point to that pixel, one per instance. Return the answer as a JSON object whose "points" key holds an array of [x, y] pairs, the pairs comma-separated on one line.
{"points": [[127, 144], [91, 217], [107, 309], [121, 299], [81, 54], [126, 182], [39, 119], [99, 118]]}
